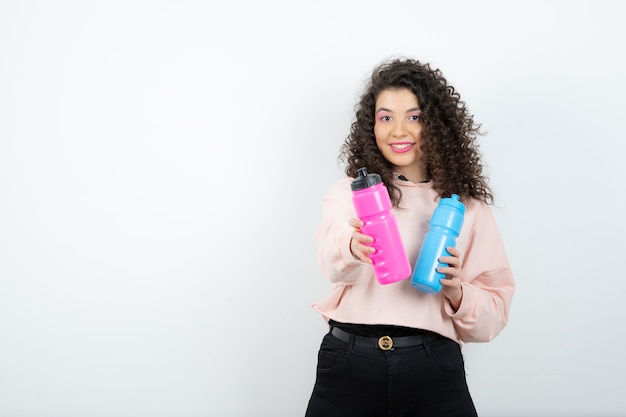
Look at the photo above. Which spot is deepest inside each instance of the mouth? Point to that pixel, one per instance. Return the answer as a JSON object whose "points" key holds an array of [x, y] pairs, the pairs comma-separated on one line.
{"points": [[401, 147]]}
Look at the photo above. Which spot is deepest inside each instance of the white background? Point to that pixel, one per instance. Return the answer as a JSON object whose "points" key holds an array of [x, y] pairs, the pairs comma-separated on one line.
{"points": [[161, 169]]}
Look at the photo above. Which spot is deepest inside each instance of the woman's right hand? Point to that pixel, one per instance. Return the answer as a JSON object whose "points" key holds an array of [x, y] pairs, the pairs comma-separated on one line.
{"points": [[358, 244]]}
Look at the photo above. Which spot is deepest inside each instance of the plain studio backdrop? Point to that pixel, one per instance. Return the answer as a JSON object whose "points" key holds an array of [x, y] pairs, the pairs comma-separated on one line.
{"points": [[162, 165]]}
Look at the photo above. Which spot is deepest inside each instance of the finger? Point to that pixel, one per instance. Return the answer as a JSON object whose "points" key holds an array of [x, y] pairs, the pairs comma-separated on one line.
{"points": [[449, 282], [361, 238], [363, 253], [366, 248], [359, 251], [453, 251], [448, 271], [450, 260], [356, 223]]}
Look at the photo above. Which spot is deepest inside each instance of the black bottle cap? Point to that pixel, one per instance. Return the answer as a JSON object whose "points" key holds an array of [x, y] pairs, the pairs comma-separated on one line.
{"points": [[365, 180]]}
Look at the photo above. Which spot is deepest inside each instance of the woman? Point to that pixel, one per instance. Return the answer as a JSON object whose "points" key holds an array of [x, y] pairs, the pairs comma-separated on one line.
{"points": [[413, 129]]}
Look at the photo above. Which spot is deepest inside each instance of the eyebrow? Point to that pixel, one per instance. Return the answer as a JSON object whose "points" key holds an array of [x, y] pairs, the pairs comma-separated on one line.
{"points": [[391, 111]]}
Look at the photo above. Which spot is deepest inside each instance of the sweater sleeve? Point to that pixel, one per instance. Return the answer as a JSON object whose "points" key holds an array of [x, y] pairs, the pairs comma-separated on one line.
{"points": [[487, 281], [332, 237]]}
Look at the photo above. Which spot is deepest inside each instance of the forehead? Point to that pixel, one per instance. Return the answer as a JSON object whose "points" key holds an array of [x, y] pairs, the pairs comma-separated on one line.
{"points": [[397, 99]]}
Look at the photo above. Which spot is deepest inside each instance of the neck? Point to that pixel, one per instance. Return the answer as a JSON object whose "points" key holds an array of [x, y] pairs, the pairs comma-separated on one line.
{"points": [[413, 178], [413, 172]]}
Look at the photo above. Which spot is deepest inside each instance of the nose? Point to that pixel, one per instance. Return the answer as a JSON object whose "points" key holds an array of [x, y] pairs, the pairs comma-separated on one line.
{"points": [[399, 129]]}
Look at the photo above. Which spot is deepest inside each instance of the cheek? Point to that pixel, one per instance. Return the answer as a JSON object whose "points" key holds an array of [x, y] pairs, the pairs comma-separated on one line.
{"points": [[381, 147], [417, 134], [378, 135], [381, 132]]}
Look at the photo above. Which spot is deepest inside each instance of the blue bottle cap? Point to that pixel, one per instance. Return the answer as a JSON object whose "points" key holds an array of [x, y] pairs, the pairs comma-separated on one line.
{"points": [[454, 202]]}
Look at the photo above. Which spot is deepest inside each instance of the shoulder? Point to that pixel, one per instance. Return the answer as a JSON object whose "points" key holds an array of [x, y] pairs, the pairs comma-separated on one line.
{"points": [[476, 206], [479, 215]]}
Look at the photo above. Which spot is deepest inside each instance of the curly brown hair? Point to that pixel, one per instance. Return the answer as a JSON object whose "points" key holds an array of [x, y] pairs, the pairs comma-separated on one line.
{"points": [[450, 150]]}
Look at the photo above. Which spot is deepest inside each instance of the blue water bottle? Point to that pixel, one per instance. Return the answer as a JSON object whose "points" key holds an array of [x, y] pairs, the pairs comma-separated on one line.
{"points": [[445, 226]]}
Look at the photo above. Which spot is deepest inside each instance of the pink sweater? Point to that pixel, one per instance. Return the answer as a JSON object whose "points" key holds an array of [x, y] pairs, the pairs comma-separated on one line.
{"points": [[357, 297]]}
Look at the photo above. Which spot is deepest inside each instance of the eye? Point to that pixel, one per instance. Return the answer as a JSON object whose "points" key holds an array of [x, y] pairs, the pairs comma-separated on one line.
{"points": [[415, 116], [384, 118]]}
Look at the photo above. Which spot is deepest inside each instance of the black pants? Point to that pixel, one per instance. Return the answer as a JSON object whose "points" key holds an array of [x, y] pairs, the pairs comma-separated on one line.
{"points": [[423, 380]]}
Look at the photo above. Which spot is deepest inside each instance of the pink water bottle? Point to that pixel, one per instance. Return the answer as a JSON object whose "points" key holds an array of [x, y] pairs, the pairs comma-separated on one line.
{"points": [[373, 206]]}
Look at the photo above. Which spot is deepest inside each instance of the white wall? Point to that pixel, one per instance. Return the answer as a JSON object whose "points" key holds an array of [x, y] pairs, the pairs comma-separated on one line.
{"points": [[161, 168]]}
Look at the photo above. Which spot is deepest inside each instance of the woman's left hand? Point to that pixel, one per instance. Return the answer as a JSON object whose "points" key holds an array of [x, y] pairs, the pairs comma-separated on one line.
{"points": [[451, 284]]}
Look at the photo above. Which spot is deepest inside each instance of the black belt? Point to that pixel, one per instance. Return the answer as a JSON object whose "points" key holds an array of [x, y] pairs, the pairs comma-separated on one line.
{"points": [[384, 342]]}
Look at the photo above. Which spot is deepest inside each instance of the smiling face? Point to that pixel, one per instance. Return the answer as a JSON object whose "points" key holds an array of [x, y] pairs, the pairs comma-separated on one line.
{"points": [[398, 132]]}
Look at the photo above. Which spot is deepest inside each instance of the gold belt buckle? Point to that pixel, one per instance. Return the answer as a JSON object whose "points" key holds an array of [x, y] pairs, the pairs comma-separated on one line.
{"points": [[385, 343]]}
